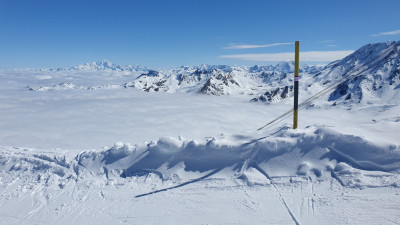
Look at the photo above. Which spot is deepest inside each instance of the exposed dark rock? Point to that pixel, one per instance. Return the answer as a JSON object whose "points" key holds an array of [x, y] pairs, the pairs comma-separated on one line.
{"points": [[274, 94]]}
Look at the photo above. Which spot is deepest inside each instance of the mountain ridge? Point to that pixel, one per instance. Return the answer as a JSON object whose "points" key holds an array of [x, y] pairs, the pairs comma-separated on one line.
{"points": [[273, 83], [377, 81]]}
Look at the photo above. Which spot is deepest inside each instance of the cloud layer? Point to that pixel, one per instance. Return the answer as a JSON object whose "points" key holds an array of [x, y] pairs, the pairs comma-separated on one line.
{"points": [[238, 46], [387, 33], [323, 56]]}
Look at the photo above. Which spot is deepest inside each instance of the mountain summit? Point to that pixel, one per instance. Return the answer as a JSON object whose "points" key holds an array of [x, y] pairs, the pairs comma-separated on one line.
{"points": [[106, 65]]}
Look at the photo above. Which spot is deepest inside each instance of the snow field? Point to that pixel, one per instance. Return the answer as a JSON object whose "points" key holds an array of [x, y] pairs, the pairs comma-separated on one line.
{"points": [[307, 176]]}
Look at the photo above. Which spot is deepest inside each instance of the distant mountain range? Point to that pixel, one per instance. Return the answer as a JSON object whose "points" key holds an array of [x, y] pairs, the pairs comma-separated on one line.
{"points": [[271, 83], [220, 79], [378, 80], [105, 65], [206, 79]]}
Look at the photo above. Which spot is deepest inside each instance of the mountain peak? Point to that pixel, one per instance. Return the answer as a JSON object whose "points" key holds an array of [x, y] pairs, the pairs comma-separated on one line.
{"points": [[286, 66], [107, 65]]}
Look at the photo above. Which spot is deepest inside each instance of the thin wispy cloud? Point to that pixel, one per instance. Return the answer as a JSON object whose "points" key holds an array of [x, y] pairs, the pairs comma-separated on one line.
{"points": [[326, 41], [331, 46], [316, 56], [395, 32], [241, 46]]}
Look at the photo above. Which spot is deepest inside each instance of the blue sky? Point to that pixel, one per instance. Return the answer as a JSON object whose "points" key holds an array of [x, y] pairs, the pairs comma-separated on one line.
{"points": [[61, 33]]}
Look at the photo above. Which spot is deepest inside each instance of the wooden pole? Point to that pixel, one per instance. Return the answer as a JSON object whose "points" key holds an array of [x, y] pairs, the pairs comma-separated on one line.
{"points": [[296, 84]]}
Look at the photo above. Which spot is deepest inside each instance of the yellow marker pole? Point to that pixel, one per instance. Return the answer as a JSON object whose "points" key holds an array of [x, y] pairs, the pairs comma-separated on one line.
{"points": [[296, 84]]}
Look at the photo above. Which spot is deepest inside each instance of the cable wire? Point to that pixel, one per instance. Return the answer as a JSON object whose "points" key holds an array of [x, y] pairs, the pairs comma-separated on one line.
{"points": [[361, 69]]}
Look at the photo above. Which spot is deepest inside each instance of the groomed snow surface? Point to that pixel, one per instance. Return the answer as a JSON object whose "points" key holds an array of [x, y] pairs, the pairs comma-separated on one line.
{"points": [[194, 158]]}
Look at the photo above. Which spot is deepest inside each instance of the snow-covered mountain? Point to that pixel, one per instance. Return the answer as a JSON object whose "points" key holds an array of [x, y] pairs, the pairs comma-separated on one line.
{"points": [[106, 65], [378, 67], [183, 79], [287, 67], [276, 94], [378, 80], [219, 79]]}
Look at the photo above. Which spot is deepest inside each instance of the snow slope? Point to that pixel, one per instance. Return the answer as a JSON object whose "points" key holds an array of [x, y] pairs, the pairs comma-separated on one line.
{"points": [[379, 81]]}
